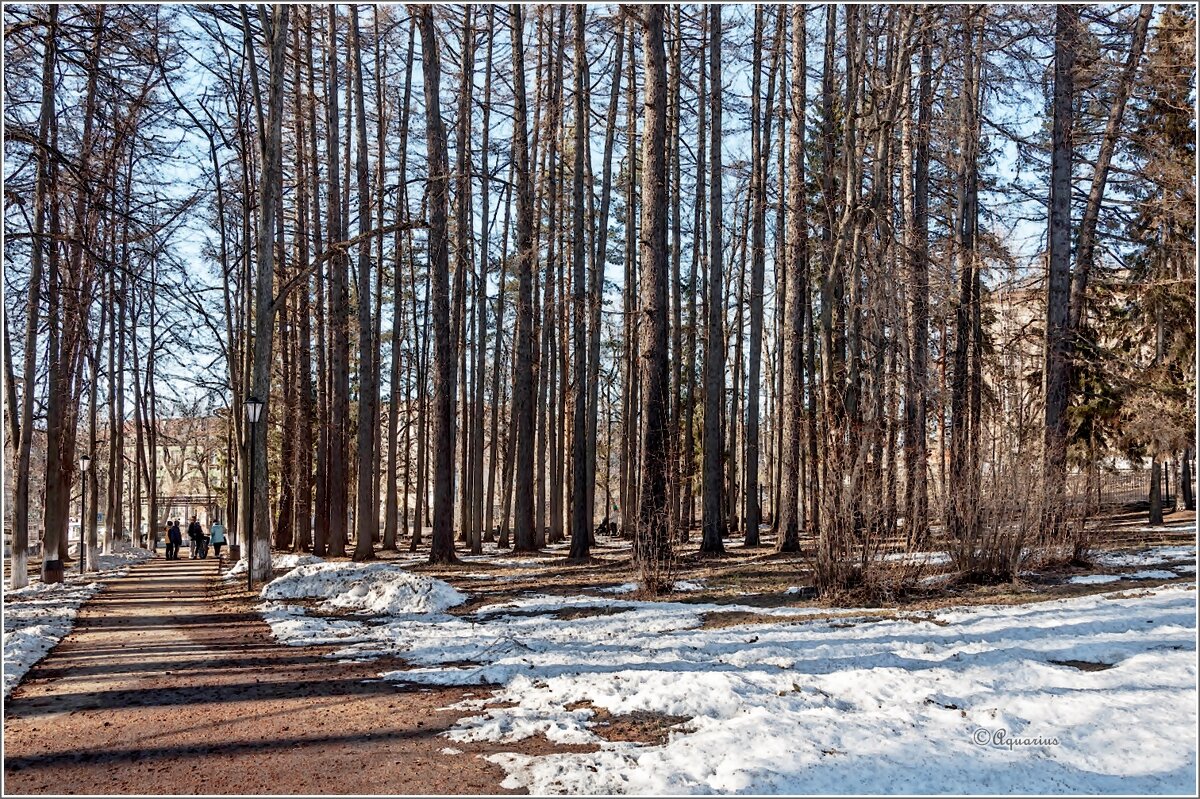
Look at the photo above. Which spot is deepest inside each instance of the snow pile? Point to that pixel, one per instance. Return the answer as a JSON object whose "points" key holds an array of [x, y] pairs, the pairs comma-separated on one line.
{"points": [[367, 588], [801, 705], [40, 615], [278, 562], [1145, 574], [1151, 556]]}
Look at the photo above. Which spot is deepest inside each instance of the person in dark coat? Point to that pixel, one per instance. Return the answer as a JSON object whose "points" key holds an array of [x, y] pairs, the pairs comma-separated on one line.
{"points": [[196, 534], [174, 541]]}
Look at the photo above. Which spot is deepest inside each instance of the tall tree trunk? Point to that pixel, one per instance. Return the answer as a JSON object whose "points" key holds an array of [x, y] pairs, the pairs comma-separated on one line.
{"points": [[580, 528], [463, 235], [270, 185], [1056, 378], [522, 401], [791, 517], [698, 262], [477, 511], [651, 541], [366, 515], [391, 500], [1086, 246], [442, 549], [19, 576], [599, 261], [714, 346], [963, 498], [916, 199], [321, 503], [339, 317]]}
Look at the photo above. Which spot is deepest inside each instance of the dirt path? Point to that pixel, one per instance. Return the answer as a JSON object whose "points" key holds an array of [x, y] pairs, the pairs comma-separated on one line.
{"points": [[163, 689]]}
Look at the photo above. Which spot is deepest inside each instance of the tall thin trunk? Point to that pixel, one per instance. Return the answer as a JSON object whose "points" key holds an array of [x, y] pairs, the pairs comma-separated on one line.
{"points": [[651, 541], [916, 200], [19, 577], [522, 401], [339, 317], [791, 517], [962, 472], [714, 345], [1056, 377], [366, 515], [275, 30], [580, 528], [394, 406], [599, 261], [698, 262], [442, 549]]}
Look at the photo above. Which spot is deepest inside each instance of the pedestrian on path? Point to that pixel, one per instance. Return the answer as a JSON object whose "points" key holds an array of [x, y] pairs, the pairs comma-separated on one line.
{"points": [[174, 540], [216, 534], [196, 534]]}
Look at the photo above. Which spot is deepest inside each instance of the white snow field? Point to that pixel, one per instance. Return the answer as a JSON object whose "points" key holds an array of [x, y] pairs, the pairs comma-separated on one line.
{"points": [[40, 615], [1092, 694]]}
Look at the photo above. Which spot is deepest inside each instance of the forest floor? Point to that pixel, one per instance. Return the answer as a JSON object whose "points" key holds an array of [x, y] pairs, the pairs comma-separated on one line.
{"points": [[546, 676]]}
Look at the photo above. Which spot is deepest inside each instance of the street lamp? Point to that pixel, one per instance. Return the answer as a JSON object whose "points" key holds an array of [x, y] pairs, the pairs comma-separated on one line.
{"points": [[85, 463], [254, 408]]}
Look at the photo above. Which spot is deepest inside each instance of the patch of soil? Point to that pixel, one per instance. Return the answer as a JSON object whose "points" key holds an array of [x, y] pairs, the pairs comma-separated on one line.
{"points": [[721, 619], [1084, 665], [566, 614], [640, 726]]}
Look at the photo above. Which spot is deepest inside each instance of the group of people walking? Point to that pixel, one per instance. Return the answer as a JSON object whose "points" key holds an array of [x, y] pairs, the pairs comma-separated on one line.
{"points": [[199, 540]]}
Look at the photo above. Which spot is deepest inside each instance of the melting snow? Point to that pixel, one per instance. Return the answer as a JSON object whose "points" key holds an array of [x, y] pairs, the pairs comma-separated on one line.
{"points": [[278, 563], [850, 704], [369, 588]]}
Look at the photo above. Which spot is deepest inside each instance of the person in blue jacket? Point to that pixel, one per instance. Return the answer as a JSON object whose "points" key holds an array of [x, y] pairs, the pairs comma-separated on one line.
{"points": [[174, 541], [216, 535]]}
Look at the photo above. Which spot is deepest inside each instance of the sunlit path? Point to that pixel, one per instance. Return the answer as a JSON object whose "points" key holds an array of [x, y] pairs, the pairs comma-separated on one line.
{"points": [[163, 688]]}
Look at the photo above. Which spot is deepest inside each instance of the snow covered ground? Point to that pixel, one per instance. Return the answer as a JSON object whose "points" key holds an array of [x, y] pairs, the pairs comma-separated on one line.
{"points": [[39, 615], [278, 562], [1081, 695]]}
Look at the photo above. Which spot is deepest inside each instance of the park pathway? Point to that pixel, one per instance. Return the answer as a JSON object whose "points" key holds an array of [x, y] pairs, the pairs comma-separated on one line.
{"points": [[163, 687]]}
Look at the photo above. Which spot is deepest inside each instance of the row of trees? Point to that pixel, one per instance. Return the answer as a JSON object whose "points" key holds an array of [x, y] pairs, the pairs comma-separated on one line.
{"points": [[663, 264]]}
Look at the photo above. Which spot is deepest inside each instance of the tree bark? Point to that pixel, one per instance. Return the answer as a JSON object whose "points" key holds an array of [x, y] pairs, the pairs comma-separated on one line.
{"points": [[796, 266], [19, 576], [270, 184], [442, 547], [651, 540], [580, 528], [713, 521], [1056, 378], [366, 515]]}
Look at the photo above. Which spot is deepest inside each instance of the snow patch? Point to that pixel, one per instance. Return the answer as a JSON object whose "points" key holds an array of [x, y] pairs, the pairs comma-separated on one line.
{"points": [[366, 588], [1151, 556], [1145, 574], [278, 563], [854, 704]]}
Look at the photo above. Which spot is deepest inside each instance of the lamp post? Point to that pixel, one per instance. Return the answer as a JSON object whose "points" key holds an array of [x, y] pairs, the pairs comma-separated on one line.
{"points": [[85, 462], [254, 408]]}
